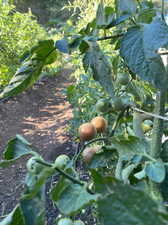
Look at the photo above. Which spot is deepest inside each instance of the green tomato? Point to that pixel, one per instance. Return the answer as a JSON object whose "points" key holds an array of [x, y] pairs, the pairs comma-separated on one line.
{"points": [[79, 222], [102, 105], [147, 125], [33, 166], [65, 221], [61, 161]]}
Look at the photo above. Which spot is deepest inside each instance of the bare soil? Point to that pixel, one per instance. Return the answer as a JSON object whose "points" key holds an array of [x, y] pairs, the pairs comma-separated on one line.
{"points": [[41, 115]]}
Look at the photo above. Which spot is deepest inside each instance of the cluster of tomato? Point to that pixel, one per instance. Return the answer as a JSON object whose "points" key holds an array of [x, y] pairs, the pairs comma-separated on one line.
{"points": [[88, 131]]}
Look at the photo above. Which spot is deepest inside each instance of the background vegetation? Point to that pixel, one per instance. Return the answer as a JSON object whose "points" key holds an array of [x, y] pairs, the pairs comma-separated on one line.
{"points": [[19, 32], [44, 10]]}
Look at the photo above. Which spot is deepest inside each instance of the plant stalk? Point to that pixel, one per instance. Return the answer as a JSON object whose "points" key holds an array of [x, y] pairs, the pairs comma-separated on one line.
{"points": [[162, 14], [73, 179], [156, 144], [158, 123], [116, 122]]}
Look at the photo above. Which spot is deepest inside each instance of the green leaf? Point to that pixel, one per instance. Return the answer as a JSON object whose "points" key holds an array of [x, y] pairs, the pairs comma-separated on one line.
{"points": [[70, 197], [43, 49], [140, 94], [117, 21], [156, 171], [139, 48], [100, 16], [5, 163], [155, 37], [101, 69], [34, 182], [14, 218], [61, 185], [140, 175], [33, 210], [16, 148], [100, 160], [84, 46], [127, 6], [146, 15], [102, 184], [62, 46], [42, 54], [125, 206], [126, 172], [119, 167], [89, 28], [130, 146], [75, 42]]}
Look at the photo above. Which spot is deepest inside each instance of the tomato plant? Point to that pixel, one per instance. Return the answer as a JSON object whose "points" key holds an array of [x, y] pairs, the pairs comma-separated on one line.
{"points": [[127, 164]]}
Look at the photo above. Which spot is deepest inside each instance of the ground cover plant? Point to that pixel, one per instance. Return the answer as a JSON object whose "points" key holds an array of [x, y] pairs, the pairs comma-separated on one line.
{"points": [[122, 139]]}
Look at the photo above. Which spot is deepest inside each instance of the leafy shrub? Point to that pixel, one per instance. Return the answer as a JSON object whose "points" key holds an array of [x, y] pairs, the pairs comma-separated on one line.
{"points": [[18, 33]]}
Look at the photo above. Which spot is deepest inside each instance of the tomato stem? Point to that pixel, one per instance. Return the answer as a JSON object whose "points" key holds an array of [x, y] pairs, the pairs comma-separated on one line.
{"points": [[116, 122], [74, 180]]}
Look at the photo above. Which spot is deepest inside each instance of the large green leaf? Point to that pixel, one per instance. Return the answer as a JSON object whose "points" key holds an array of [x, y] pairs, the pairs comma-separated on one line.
{"points": [[42, 54], [16, 148], [126, 205], [33, 211], [14, 218], [130, 146], [101, 69], [139, 48], [155, 37], [70, 197], [44, 51], [156, 171], [102, 184]]}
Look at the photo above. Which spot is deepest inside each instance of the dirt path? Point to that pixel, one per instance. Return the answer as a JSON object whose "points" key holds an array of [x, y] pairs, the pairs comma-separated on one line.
{"points": [[41, 115]]}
